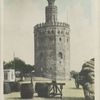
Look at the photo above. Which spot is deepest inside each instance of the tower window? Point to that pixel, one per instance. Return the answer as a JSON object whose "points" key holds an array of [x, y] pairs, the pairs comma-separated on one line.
{"points": [[50, 69], [58, 32], [48, 32], [52, 31], [60, 55], [59, 39], [67, 40]]}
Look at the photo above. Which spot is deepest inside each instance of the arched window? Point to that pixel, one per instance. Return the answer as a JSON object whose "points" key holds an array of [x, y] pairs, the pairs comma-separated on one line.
{"points": [[50, 69], [67, 40], [48, 32], [52, 31], [58, 32], [60, 55], [60, 39]]}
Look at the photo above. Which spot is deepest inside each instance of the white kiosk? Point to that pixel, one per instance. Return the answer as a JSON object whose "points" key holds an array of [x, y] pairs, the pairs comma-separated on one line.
{"points": [[9, 75]]}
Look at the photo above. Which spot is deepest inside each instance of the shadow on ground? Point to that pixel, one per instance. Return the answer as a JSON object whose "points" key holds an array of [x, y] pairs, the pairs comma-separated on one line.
{"points": [[56, 98], [75, 88]]}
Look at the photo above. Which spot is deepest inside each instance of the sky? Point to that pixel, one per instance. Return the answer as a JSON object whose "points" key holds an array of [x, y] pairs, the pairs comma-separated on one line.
{"points": [[20, 17]]}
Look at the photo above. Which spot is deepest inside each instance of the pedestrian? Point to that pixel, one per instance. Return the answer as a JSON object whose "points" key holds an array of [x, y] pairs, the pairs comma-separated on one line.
{"points": [[87, 81], [88, 87]]}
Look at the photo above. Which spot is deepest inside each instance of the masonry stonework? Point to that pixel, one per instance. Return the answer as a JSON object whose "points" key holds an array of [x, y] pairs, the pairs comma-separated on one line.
{"points": [[52, 46]]}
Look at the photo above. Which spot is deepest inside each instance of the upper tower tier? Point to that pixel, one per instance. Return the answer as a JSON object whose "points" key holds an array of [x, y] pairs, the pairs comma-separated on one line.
{"points": [[51, 2], [51, 12]]}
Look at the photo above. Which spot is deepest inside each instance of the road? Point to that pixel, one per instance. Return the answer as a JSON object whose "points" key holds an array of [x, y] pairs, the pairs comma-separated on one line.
{"points": [[69, 93]]}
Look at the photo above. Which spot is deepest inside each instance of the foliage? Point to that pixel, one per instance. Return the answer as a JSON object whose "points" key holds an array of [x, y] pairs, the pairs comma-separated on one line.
{"points": [[74, 74], [19, 65]]}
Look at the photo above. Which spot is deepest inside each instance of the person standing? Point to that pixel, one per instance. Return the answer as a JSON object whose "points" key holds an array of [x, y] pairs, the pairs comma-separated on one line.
{"points": [[87, 73]]}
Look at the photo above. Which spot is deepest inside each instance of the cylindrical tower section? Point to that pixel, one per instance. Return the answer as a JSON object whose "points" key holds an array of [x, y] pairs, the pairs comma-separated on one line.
{"points": [[62, 51], [52, 46], [51, 12]]}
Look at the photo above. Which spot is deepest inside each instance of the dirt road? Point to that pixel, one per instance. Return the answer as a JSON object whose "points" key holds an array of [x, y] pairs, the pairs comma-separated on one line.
{"points": [[69, 93]]}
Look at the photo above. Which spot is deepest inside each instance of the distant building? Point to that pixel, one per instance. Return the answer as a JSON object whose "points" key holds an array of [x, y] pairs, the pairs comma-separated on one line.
{"points": [[9, 75], [52, 46]]}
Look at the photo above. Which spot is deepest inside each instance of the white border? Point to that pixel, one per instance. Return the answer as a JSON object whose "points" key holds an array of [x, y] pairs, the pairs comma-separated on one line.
{"points": [[97, 49], [1, 50]]}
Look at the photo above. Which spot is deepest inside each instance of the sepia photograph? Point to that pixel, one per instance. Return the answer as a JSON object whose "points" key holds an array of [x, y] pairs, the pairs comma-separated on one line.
{"points": [[49, 50]]}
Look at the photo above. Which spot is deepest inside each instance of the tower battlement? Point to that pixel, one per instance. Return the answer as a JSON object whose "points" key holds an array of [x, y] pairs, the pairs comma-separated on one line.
{"points": [[57, 24]]}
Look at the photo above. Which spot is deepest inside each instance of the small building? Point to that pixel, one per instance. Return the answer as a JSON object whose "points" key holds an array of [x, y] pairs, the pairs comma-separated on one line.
{"points": [[9, 75]]}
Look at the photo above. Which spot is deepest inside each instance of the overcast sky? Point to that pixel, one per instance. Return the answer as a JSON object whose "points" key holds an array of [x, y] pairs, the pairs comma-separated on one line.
{"points": [[20, 16]]}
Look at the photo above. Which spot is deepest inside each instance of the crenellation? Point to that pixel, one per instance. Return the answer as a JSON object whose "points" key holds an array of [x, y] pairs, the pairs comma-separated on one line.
{"points": [[56, 24]]}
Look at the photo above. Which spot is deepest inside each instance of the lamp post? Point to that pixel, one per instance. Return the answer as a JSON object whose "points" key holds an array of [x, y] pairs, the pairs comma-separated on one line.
{"points": [[32, 76]]}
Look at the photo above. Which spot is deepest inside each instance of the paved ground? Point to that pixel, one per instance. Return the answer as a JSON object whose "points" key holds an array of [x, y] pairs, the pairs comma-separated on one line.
{"points": [[69, 93]]}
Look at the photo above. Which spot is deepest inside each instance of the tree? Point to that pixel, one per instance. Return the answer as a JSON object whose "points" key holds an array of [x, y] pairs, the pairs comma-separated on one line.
{"points": [[73, 73], [19, 65], [75, 76]]}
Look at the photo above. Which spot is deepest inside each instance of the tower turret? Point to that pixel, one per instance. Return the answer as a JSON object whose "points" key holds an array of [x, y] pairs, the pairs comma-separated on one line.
{"points": [[51, 2], [51, 12]]}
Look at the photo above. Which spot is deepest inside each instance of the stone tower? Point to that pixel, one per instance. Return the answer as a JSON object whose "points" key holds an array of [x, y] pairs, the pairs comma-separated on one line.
{"points": [[52, 46]]}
